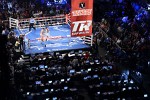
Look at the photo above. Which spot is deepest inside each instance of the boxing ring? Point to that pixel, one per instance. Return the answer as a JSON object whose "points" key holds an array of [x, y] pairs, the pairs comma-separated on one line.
{"points": [[59, 36]]}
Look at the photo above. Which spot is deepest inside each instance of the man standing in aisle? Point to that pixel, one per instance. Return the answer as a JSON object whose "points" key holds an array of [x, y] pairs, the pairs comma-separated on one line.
{"points": [[32, 22]]}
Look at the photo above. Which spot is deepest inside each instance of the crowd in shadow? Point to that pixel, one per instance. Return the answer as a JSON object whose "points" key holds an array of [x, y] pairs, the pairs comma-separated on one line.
{"points": [[59, 76], [120, 29], [26, 8], [125, 33]]}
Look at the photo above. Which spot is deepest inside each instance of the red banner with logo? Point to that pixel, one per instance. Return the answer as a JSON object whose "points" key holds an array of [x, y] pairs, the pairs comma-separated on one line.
{"points": [[81, 17]]}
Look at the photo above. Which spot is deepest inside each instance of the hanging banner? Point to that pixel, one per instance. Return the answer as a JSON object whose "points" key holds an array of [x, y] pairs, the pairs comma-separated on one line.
{"points": [[81, 17]]}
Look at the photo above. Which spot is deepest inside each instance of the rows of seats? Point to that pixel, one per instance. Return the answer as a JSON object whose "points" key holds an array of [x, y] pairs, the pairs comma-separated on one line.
{"points": [[54, 77], [48, 77], [111, 86]]}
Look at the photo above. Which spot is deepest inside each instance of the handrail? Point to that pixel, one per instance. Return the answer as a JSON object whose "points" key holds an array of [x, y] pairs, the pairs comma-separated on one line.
{"points": [[111, 39]]}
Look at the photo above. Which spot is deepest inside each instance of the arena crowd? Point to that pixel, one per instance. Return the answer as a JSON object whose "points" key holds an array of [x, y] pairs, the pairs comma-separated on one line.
{"points": [[122, 30]]}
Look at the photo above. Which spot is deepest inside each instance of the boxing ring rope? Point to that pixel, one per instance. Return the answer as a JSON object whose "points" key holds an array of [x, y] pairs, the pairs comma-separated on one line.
{"points": [[88, 40], [68, 19], [41, 21], [13, 23], [21, 24]]}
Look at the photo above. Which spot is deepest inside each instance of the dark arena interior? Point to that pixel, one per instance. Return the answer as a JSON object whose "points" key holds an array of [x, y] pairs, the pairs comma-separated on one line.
{"points": [[41, 60]]}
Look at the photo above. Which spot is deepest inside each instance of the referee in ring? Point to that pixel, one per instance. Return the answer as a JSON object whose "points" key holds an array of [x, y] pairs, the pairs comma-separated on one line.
{"points": [[32, 22]]}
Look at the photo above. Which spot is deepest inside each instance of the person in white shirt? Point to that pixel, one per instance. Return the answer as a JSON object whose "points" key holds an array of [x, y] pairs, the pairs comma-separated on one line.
{"points": [[32, 22]]}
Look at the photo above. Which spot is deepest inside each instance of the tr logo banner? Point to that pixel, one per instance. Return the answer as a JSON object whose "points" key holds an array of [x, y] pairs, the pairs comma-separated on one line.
{"points": [[82, 26], [81, 17]]}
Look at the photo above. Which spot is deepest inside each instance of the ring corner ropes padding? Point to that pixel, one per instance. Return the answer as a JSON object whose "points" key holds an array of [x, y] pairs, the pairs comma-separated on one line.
{"points": [[81, 17]]}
